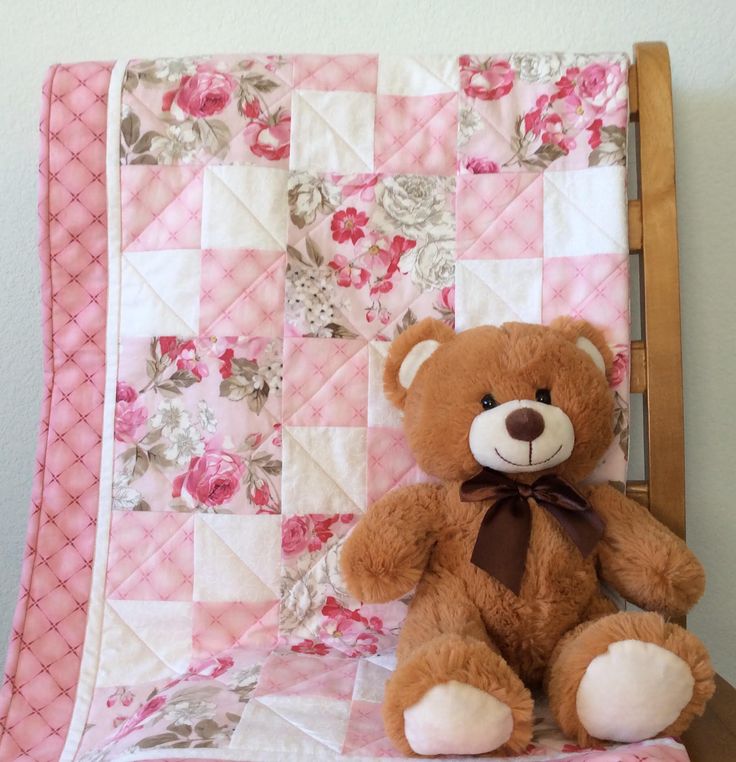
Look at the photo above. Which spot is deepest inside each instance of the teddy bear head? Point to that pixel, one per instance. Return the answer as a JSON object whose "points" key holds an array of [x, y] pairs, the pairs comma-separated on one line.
{"points": [[518, 398]]}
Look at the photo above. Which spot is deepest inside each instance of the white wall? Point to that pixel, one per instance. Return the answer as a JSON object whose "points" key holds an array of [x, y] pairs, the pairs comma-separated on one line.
{"points": [[701, 37]]}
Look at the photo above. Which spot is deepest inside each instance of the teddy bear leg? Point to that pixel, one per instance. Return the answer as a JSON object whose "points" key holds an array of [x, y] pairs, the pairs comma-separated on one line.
{"points": [[628, 677], [452, 692]]}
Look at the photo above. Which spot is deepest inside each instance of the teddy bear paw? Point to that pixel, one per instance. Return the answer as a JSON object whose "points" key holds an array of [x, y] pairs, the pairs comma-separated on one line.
{"points": [[457, 718], [633, 691]]}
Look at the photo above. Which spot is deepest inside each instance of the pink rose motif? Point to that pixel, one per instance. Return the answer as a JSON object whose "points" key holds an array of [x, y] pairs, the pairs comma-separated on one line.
{"points": [[269, 138], [362, 185], [294, 535], [205, 93], [594, 128], [487, 81], [168, 345], [276, 441], [188, 361], [322, 526], [261, 494], [340, 627], [212, 479], [602, 88], [447, 298], [347, 273], [210, 668], [619, 369], [136, 720], [226, 358], [128, 419], [570, 109], [478, 166], [366, 644], [592, 80], [309, 646], [553, 132], [150, 707], [347, 224], [252, 107], [533, 118], [125, 392]]}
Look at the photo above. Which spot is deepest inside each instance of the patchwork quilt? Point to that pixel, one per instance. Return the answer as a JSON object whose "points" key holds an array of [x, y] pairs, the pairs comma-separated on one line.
{"points": [[229, 244]]}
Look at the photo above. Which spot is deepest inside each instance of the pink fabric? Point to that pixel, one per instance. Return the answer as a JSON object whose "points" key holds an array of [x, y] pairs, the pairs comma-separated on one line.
{"points": [[500, 216], [182, 487], [48, 629], [161, 207], [336, 72], [416, 134]]}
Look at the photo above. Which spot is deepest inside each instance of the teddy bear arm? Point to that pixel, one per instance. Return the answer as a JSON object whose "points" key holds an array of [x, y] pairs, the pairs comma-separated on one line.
{"points": [[387, 552], [642, 559]]}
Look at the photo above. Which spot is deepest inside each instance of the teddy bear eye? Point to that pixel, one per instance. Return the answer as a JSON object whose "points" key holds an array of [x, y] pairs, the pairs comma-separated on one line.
{"points": [[544, 396], [488, 402]]}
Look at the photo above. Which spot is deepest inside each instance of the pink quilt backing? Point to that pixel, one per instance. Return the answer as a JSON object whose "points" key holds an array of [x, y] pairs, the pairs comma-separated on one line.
{"points": [[281, 219]]}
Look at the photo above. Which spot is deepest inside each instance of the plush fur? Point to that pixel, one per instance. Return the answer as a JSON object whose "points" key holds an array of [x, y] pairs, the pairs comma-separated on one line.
{"points": [[463, 624]]}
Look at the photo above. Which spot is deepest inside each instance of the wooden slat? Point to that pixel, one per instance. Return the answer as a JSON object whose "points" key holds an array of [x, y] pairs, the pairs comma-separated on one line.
{"points": [[634, 225], [633, 94], [660, 269], [712, 737], [638, 373], [638, 491]]}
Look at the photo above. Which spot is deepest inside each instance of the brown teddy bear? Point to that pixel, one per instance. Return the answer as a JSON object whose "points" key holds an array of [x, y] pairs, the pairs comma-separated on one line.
{"points": [[508, 551]]}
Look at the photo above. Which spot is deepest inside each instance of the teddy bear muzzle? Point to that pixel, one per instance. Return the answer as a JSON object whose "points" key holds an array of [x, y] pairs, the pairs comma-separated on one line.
{"points": [[521, 436]]}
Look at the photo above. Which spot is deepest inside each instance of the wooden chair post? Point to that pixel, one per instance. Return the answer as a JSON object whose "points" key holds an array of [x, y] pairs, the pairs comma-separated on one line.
{"points": [[665, 446]]}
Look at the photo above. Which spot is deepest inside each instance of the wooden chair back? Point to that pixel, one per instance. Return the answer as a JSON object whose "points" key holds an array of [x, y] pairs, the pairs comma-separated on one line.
{"points": [[656, 361]]}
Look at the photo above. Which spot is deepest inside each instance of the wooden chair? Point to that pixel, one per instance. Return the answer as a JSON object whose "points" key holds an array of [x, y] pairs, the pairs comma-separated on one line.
{"points": [[656, 363]]}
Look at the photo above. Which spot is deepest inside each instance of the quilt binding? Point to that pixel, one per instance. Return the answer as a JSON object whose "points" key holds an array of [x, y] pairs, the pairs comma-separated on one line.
{"points": [[93, 634]]}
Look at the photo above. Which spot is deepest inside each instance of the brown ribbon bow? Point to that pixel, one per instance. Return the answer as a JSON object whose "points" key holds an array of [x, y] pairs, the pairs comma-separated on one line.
{"points": [[503, 538]]}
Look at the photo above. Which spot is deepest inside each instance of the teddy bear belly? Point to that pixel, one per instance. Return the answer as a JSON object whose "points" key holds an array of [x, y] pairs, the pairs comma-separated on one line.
{"points": [[558, 589]]}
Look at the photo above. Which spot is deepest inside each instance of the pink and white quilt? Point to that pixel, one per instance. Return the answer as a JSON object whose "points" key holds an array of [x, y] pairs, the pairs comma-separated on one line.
{"points": [[230, 242]]}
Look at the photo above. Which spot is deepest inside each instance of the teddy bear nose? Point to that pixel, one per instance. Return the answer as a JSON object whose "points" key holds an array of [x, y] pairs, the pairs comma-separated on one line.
{"points": [[525, 424]]}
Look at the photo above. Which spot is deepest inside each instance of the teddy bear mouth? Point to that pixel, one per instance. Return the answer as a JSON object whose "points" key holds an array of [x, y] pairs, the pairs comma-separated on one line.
{"points": [[530, 463]]}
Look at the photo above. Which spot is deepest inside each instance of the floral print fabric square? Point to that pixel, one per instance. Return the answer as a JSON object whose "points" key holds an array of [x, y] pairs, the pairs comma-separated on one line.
{"points": [[368, 253], [283, 218]]}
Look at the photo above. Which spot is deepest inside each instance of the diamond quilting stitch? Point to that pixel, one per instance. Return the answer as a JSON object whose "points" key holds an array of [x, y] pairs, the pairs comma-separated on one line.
{"points": [[242, 292], [161, 207], [298, 674], [586, 212], [500, 216], [151, 556], [416, 134], [332, 131], [588, 287], [219, 627], [343, 72], [73, 120], [326, 383], [390, 462], [234, 217]]}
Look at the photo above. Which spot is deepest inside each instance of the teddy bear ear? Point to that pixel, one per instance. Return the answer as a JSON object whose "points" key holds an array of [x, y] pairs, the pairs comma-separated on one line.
{"points": [[408, 352], [588, 338]]}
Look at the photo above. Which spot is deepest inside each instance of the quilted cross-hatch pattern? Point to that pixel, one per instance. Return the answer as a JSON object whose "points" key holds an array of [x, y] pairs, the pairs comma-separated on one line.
{"points": [[42, 665], [282, 219]]}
